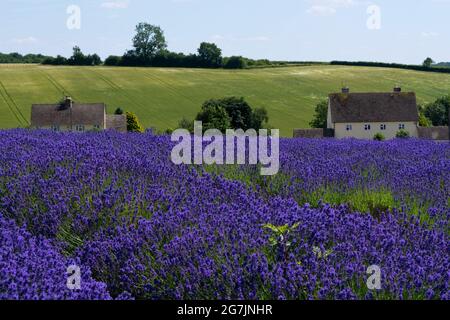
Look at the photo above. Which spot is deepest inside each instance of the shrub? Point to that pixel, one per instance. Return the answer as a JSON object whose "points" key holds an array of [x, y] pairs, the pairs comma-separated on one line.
{"points": [[260, 119], [379, 137], [119, 111], [113, 61], [169, 131], [235, 63], [424, 121], [320, 116], [402, 134], [186, 124], [133, 124], [238, 114]]}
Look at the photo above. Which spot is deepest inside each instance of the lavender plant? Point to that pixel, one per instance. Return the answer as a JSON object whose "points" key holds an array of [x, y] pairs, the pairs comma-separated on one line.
{"points": [[116, 205]]}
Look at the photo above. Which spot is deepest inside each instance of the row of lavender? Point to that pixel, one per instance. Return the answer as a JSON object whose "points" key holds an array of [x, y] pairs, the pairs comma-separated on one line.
{"points": [[414, 171], [139, 226]]}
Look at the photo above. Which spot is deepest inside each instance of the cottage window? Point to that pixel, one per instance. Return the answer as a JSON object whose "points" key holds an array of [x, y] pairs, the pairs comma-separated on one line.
{"points": [[55, 128], [383, 127], [401, 126], [96, 127], [367, 127], [349, 127], [79, 128]]}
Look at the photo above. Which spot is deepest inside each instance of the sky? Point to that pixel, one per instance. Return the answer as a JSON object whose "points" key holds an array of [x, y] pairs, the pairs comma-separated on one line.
{"points": [[401, 31]]}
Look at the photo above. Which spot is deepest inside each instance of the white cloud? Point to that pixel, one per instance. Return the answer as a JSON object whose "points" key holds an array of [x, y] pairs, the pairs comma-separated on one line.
{"points": [[117, 4], [429, 34], [321, 11], [329, 7], [27, 40]]}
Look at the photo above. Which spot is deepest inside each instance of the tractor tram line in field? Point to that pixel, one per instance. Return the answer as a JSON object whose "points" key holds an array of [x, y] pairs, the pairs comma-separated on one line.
{"points": [[118, 88], [113, 85], [59, 87], [168, 86], [14, 108]]}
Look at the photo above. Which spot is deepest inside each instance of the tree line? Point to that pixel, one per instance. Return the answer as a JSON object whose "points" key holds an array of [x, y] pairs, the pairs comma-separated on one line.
{"points": [[150, 50], [427, 66], [18, 58], [78, 58]]}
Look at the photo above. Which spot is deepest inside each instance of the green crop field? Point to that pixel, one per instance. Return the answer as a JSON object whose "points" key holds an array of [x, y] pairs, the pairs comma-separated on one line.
{"points": [[162, 96]]}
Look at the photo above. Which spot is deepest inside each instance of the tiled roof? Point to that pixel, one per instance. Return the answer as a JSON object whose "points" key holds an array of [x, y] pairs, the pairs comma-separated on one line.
{"points": [[373, 107], [78, 114]]}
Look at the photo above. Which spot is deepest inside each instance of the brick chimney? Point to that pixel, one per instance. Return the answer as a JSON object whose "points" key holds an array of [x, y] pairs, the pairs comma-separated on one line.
{"points": [[398, 89], [345, 90]]}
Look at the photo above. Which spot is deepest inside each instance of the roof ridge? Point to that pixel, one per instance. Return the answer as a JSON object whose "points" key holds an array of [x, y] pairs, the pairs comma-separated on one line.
{"points": [[353, 93]]}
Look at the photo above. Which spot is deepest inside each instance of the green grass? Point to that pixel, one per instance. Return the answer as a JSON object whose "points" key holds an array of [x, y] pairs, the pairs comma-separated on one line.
{"points": [[374, 202], [162, 96]]}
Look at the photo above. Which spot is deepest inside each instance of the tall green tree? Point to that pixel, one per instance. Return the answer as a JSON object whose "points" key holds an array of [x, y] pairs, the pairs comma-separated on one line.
{"points": [[438, 111], [95, 59], [320, 116], [428, 62], [149, 41], [238, 110], [229, 113], [214, 116], [77, 58], [210, 55]]}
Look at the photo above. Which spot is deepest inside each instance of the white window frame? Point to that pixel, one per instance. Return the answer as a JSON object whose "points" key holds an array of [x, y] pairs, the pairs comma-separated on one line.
{"points": [[349, 127], [383, 127], [55, 128], [401, 126], [79, 128], [367, 127]]}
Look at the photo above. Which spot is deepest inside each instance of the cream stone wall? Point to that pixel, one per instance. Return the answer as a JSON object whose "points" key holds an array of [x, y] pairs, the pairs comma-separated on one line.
{"points": [[74, 128], [359, 132]]}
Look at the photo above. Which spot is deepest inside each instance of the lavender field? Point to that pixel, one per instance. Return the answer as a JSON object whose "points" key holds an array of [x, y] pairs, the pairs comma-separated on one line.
{"points": [[140, 227]]}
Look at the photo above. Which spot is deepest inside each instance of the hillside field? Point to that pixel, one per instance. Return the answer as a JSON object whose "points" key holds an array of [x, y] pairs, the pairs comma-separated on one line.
{"points": [[162, 96]]}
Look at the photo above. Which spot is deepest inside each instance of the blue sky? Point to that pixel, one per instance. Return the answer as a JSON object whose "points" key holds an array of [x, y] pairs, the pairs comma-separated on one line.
{"points": [[320, 30]]}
